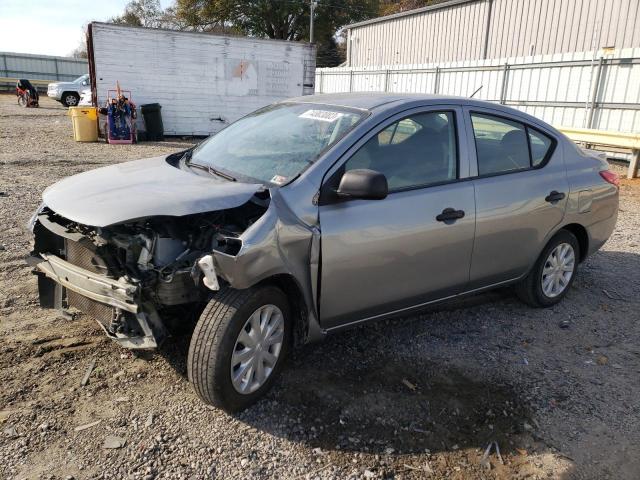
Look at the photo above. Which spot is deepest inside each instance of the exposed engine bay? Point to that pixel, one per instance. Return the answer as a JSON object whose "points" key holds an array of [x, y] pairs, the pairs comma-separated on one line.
{"points": [[136, 278]]}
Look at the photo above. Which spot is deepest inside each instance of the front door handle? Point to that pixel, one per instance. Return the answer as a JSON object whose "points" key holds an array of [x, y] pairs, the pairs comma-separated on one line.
{"points": [[554, 197], [449, 214]]}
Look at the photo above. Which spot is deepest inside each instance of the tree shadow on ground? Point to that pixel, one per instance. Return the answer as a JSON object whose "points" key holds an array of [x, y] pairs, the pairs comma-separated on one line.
{"points": [[347, 394], [389, 404]]}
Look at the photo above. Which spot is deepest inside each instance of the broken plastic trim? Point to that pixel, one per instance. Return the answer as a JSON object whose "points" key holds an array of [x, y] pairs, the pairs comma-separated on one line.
{"points": [[209, 271], [153, 331]]}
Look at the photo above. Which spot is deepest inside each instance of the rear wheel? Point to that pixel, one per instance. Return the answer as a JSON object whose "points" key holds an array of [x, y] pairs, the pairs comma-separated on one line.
{"points": [[70, 99], [553, 273], [239, 345]]}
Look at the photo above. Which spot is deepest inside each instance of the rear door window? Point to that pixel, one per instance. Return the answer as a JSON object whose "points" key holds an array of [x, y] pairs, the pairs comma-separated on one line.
{"points": [[501, 144], [504, 145]]}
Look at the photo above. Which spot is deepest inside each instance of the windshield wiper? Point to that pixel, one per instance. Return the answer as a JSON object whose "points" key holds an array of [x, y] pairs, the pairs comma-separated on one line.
{"points": [[222, 174], [187, 158], [212, 170]]}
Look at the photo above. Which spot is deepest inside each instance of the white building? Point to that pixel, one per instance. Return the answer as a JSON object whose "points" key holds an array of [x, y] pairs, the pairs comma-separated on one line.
{"points": [[479, 29]]}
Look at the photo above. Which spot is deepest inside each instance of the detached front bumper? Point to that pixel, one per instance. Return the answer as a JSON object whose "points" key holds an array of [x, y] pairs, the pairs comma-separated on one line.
{"points": [[115, 304]]}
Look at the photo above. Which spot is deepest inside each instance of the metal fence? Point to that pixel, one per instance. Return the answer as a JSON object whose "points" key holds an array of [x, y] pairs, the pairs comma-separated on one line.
{"points": [[40, 67], [587, 90]]}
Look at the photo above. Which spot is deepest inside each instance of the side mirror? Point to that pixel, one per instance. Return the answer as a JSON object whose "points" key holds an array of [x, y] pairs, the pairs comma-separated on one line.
{"points": [[363, 184]]}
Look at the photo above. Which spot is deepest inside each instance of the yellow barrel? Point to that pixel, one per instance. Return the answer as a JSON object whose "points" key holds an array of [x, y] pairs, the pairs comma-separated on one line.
{"points": [[85, 123]]}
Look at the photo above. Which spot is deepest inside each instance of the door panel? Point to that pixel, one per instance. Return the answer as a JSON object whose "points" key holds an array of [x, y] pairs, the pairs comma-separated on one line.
{"points": [[513, 216], [512, 223], [382, 255]]}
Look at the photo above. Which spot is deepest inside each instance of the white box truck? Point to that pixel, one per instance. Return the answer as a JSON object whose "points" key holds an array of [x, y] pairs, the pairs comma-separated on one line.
{"points": [[202, 81]]}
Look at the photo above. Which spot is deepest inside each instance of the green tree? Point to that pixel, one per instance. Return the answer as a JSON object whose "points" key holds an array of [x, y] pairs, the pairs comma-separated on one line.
{"points": [[389, 7], [278, 19], [141, 13], [329, 54]]}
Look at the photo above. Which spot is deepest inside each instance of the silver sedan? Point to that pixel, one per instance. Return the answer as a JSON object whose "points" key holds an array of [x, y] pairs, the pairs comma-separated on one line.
{"points": [[317, 214]]}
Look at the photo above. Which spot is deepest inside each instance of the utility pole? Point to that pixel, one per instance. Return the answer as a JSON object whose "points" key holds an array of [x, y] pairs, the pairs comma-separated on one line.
{"points": [[313, 6]]}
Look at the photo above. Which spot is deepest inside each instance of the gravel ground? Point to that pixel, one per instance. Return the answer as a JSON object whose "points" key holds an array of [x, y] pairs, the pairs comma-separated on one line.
{"points": [[416, 397]]}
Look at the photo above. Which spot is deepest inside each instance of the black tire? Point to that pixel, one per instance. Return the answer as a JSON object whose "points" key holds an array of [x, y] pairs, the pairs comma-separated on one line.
{"points": [[530, 291], [70, 99], [214, 339]]}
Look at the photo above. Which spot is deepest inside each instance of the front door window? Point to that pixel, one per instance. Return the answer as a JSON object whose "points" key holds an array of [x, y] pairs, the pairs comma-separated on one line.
{"points": [[416, 151]]}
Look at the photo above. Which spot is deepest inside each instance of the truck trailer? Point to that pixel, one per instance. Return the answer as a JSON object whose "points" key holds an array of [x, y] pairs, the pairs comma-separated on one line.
{"points": [[202, 81]]}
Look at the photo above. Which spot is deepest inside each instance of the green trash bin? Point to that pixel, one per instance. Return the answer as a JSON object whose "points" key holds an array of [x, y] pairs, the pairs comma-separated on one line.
{"points": [[152, 115]]}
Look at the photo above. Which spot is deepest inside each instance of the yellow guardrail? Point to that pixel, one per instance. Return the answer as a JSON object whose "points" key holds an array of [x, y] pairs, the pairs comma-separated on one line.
{"points": [[602, 138]]}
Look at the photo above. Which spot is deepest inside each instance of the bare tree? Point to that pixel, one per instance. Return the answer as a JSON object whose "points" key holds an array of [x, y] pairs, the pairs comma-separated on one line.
{"points": [[81, 50]]}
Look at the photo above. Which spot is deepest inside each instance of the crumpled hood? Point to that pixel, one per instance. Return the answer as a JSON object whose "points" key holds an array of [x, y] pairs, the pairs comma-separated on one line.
{"points": [[141, 188]]}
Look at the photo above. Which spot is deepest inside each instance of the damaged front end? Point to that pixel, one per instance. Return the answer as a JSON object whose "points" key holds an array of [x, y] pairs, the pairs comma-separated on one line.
{"points": [[138, 277]]}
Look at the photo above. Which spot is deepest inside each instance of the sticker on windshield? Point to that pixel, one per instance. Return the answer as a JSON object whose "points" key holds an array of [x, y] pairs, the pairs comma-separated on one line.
{"points": [[322, 115], [278, 179]]}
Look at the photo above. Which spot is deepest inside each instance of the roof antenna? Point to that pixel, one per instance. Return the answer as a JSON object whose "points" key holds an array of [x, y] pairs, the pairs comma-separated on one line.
{"points": [[474, 93]]}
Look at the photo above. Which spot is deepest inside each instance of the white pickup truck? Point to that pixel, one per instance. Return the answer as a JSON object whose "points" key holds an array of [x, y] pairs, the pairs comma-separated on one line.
{"points": [[68, 93]]}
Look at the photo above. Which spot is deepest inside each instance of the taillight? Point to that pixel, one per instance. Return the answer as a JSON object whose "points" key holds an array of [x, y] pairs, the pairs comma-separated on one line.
{"points": [[610, 177]]}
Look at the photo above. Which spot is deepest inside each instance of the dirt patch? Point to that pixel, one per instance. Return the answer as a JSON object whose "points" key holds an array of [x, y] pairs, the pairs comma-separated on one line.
{"points": [[414, 397]]}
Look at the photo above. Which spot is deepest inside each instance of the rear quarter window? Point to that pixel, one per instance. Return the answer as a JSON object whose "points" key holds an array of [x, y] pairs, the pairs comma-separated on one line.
{"points": [[540, 146], [504, 145]]}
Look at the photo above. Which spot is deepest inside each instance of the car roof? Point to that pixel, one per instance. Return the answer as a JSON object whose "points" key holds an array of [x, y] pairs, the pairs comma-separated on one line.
{"points": [[376, 101], [373, 100], [361, 100]]}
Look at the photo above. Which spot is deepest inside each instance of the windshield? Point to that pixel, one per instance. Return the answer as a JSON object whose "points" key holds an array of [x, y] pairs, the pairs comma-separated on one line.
{"points": [[81, 79], [274, 144]]}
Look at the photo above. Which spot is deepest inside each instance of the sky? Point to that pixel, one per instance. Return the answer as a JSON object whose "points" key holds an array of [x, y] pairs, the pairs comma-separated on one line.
{"points": [[51, 27]]}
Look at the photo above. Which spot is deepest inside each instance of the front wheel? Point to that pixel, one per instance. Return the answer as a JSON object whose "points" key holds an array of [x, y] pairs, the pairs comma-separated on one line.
{"points": [[70, 99], [23, 101], [553, 273], [239, 345]]}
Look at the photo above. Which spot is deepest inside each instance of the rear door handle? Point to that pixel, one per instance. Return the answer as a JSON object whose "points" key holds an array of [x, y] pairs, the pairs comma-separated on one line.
{"points": [[554, 197], [449, 214]]}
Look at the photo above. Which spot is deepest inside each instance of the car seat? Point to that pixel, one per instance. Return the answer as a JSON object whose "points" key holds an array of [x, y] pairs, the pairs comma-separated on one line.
{"points": [[514, 151]]}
